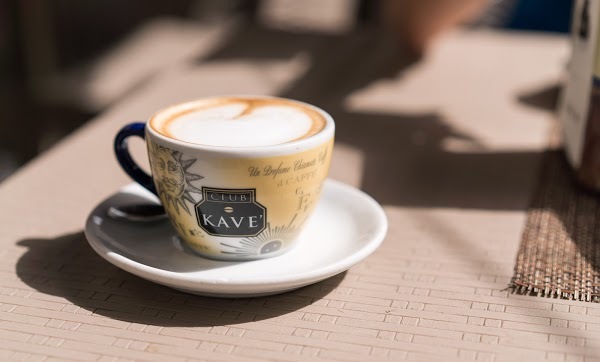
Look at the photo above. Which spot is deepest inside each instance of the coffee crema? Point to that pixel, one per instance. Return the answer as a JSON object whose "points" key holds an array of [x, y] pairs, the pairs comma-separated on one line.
{"points": [[239, 122]]}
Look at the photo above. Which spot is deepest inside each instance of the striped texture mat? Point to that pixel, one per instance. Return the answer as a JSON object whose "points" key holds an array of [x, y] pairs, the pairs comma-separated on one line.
{"points": [[559, 255]]}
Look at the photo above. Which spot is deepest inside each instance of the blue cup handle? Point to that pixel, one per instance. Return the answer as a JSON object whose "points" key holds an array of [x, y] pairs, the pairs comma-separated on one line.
{"points": [[124, 158]]}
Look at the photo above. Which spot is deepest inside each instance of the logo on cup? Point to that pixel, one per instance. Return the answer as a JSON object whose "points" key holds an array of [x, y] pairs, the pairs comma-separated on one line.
{"points": [[230, 212]]}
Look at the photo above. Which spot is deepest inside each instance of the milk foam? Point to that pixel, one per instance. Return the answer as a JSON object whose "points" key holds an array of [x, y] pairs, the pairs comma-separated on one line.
{"points": [[240, 124]]}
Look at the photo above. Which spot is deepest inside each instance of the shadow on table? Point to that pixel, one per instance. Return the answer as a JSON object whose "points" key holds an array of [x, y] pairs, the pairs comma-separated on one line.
{"points": [[545, 98], [406, 161], [67, 267]]}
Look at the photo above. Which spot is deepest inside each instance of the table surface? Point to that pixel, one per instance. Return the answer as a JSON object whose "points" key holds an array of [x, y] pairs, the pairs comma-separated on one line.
{"points": [[448, 144]]}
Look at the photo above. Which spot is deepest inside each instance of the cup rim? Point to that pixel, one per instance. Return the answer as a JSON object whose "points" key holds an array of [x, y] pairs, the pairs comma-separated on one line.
{"points": [[289, 147]]}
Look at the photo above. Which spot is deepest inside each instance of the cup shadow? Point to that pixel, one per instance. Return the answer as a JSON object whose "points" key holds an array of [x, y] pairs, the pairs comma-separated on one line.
{"points": [[67, 267]]}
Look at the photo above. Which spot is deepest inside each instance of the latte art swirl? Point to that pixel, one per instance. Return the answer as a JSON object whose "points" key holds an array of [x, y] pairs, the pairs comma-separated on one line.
{"points": [[239, 122]]}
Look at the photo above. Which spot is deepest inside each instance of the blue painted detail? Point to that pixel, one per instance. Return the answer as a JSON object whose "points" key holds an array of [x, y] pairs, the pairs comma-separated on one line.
{"points": [[124, 158]]}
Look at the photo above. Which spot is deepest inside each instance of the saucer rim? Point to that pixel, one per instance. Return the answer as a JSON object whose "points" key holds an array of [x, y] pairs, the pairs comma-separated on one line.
{"points": [[186, 280]]}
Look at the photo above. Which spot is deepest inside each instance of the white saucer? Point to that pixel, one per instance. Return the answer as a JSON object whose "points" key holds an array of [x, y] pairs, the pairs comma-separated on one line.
{"points": [[347, 226]]}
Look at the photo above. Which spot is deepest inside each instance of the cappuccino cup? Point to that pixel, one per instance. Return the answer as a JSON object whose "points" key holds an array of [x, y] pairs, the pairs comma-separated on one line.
{"points": [[237, 176]]}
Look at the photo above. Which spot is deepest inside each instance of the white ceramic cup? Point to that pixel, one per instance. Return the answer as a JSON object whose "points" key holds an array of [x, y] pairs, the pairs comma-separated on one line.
{"points": [[228, 202]]}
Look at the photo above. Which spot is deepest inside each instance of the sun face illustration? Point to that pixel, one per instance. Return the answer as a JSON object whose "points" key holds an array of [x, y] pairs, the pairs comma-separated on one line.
{"points": [[269, 241], [173, 178]]}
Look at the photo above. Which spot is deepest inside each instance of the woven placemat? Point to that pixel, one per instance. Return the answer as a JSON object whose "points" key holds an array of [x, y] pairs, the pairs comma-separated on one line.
{"points": [[559, 255]]}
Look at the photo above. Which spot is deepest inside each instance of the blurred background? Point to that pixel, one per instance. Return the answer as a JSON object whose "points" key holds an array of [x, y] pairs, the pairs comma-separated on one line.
{"points": [[64, 61]]}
